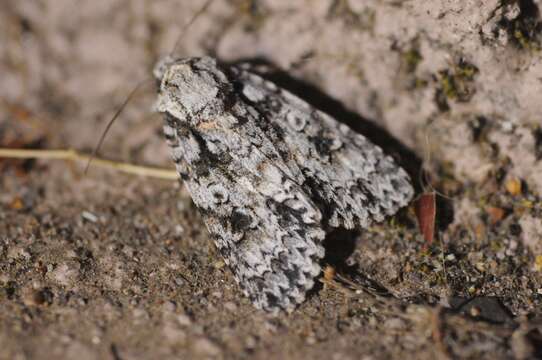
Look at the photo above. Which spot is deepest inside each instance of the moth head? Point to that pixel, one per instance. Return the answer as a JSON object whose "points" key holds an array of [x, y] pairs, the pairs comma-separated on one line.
{"points": [[191, 87]]}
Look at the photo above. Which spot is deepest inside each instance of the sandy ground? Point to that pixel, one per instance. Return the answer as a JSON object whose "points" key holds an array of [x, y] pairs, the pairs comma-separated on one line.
{"points": [[115, 266]]}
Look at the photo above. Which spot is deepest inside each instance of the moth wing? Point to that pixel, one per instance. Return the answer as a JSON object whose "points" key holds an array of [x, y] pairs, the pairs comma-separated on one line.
{"points": [[263, 223], [350, 178]]}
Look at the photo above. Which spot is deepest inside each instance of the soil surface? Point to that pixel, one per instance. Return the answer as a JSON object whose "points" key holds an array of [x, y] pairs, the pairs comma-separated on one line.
{"points": [[114, 266]]}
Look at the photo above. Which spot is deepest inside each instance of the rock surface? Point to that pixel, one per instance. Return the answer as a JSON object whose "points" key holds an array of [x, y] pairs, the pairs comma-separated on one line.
{"points": [[114, 266]]}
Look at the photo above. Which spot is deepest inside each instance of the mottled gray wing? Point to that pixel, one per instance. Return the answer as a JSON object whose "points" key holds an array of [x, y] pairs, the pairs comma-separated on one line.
{"points": [[263, 166], [351, 179], [264, 224]]}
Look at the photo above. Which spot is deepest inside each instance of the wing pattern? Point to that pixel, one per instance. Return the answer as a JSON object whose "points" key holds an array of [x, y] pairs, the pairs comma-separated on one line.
{"points": [[269, 174]]}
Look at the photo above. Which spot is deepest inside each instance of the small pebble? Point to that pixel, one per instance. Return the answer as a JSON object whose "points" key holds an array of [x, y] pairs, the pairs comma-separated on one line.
{"points": [[184, 320], [230, 306], [179, 230], [395, 324], [250, 342], [173, 333], [206, 347], [169, 306], [475, 311], [89, 216]]}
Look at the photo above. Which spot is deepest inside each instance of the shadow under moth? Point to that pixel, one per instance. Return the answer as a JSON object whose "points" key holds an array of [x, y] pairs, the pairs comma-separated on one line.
{"points": [[270, 174]]}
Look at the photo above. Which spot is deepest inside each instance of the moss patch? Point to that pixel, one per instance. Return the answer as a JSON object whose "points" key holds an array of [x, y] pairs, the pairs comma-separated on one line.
{"points": [[341, 9], [525, 30]]}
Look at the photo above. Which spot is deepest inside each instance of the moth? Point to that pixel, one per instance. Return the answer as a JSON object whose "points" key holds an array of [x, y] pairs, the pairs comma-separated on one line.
{"points": [[270, 174]]}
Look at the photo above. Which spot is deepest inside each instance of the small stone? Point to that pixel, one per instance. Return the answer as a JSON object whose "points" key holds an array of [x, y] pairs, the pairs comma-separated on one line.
{"points": [[17, 203], [269, 326], [395, 324], [64, 274], [206, 347], [513, 186], [129, 251], [475, 311], [140, 313], [250, 342], [81, 301], [329, 273], [197, 329], [230, 306], [169, 306], [179, 230], [16, 252], [496, 214], [184, 320], [173, 334], [44, 296], [311, 340], [31, 297], [87, 215]]}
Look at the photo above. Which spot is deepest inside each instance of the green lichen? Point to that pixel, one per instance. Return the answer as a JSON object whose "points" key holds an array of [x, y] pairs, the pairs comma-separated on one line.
{"points": [[363, 21], [466, 71], [525, 30], [254, 13], [412, 58], [456, 84]]}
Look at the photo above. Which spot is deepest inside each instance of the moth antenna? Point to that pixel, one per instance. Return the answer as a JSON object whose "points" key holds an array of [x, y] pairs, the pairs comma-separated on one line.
{"points": [[189, 23], [110, 123]]}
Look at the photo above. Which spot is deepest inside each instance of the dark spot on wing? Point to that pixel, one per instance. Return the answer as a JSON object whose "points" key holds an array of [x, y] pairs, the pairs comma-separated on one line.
{"points": [[207, 159], [322, 144], [272, 300], [316, 189], [371, 202], [240, 221], [286, 215], [291, 271]]}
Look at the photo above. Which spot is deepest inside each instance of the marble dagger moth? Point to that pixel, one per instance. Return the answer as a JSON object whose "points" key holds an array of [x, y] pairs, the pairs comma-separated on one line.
{"points": [[270, 174]]}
